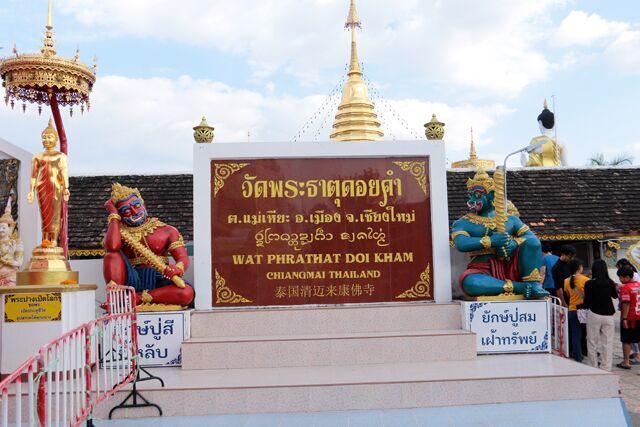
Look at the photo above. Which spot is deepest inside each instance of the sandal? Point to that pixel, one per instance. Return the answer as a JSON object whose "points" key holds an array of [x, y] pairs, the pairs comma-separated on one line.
{"points": [[623, 366]]}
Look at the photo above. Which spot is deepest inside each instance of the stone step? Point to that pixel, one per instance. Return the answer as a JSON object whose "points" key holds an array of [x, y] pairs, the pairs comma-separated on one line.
{"points": [[320, 320], [327, 349], [485, 380]]}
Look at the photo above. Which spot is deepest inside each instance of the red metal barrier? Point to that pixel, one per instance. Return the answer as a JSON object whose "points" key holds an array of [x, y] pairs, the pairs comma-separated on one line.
{"points": [[74, 373]]}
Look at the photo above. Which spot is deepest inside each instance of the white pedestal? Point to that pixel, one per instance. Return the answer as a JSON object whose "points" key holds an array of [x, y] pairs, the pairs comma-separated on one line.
{"points": [[27, 324], [508, 326], [160, 337]]}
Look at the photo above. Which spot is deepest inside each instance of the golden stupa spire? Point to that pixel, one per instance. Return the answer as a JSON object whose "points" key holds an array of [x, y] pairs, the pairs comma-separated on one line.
{"points": [[353, 22], [48, 49], [472, 151], [473, 161], [356, 119]]}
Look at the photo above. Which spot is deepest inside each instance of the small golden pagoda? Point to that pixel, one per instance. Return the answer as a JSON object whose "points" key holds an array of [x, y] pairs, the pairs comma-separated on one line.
{"points": [[355, 120], [473, 161]]}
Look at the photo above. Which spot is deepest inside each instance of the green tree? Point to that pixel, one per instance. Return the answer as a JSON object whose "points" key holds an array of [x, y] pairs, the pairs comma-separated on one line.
{"points": [[621, 159]]}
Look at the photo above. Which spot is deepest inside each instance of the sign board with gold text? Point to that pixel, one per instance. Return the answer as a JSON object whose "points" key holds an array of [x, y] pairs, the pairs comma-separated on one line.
{"points": [[36, 307], [320, 231]]}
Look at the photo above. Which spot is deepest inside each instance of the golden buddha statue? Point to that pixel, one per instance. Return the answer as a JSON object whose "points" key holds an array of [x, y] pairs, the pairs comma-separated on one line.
{"points": [[11, 248], [551, 153], [50, 180]]}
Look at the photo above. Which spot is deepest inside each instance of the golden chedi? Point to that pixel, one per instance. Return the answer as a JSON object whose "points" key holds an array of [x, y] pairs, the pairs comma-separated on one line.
{"points": [[356, 119], [50, 183], [473, 161]]}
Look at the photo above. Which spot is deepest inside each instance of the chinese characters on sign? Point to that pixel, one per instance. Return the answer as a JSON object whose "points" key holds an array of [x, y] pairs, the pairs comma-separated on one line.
{"points": [[320, 231]]}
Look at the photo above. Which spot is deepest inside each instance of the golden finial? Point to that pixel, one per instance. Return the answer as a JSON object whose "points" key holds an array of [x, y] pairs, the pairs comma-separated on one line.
{"points": [[203, 133], [76, 57], [50, 129], [545, 105], [48, 49], [15, 49], [434, 128], [481, 179], [352, 18], [352, 22], [120, 192], [49, 20], [472, 151]]}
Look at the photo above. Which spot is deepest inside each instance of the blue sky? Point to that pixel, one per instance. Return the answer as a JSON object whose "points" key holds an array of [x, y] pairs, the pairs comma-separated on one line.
{"points": [[264, 67]]}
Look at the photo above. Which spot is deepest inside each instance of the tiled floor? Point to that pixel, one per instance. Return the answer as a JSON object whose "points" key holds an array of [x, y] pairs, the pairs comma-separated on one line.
{"points": [[594, 412], [629, 385]]}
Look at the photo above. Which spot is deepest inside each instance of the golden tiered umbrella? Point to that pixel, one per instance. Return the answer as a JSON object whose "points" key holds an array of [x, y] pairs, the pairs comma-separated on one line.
{"points": [[46, 78], [49, 79]]}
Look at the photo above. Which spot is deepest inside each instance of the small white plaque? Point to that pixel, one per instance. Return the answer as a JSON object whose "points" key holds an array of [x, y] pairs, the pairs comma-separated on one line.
{"points": [[160, 337], [508, 326]]}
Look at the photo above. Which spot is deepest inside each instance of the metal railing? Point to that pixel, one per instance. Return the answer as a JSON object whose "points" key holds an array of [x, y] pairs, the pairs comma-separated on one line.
{"points": [[67, 378], [559, 327]]}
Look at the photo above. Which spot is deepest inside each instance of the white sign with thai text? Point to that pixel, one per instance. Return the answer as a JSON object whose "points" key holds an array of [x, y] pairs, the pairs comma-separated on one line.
{"points": [[160, 337], [508, 326]]}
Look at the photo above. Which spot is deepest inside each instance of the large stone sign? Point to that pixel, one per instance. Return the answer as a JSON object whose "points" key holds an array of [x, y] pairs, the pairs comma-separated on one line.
{"points": [[320, 231], [291, 224]]}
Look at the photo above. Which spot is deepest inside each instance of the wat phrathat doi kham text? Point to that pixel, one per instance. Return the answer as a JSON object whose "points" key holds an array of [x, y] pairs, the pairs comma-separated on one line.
{"points": [[299, 231]]}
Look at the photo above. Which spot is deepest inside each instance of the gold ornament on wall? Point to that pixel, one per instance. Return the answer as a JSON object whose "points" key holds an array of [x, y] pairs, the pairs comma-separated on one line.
{"points": [[226, 295], [434, 129], [418, 170], [421, 289], [222, 172], [203, 133]]}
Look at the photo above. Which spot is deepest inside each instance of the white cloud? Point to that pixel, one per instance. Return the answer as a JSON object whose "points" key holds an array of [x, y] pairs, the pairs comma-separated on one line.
{"points": [[487, 46], [144, 125], [580, 28], [624, 52]]}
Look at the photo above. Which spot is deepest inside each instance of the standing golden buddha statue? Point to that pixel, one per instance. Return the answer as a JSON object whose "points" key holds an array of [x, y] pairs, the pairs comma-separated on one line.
{"points": [[50, 180], [50, 183]]}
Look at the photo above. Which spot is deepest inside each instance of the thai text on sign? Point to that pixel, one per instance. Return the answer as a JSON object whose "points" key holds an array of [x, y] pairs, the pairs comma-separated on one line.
{"points": [[320, 231], [38, 307]]}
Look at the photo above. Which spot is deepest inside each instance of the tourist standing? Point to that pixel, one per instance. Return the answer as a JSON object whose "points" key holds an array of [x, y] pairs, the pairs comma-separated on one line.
{"points": [[622, 262], [635, 348], [561, 271], [548, 261], [598, 294], [574, 288], [629, 315]]}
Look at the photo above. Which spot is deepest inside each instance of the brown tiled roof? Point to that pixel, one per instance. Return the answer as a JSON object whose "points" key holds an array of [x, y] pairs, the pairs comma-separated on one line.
{"points": [[565, 200], [168, 197], [553, 201]]}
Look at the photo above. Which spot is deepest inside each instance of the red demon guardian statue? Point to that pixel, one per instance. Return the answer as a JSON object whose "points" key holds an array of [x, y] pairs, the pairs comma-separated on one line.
{"points": [[137, 249]]}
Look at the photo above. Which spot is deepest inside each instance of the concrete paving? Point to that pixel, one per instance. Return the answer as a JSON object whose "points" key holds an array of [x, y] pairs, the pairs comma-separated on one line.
{"points": [[629, 384]]}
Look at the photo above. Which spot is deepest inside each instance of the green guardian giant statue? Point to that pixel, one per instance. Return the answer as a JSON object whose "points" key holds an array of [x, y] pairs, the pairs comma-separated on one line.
{"points": [[505, 254]]}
